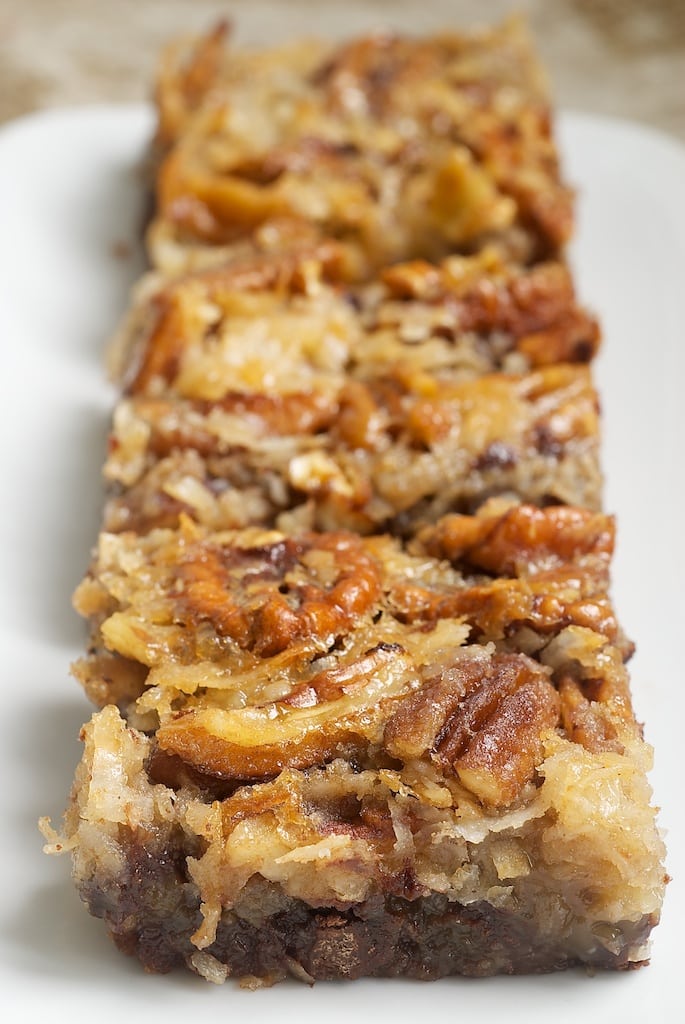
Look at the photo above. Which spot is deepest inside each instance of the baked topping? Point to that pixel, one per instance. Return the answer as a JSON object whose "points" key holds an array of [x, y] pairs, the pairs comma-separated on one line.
{"points": [[397, 451], [282, 319], [267, 651], [308, 729]]}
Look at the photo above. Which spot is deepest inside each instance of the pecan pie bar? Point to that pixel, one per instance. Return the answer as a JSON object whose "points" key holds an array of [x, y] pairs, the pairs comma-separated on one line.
{"points": [[327, 756], [262, 392], [398, 147]]}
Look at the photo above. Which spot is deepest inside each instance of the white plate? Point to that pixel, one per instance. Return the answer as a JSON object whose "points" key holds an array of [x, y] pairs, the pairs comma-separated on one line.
{"points": [[70, 197]]}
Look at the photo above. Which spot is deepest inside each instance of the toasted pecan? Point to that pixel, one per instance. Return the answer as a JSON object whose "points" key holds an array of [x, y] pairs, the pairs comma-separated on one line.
{"points": [[537, 308], [522, 538], [483, 719], [264, 619], [583, 720]]}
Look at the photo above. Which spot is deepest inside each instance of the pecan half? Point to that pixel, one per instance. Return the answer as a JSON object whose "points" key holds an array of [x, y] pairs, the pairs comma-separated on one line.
{"points": [[585, 721], [503, 756], [482, 719], [522, 541]]}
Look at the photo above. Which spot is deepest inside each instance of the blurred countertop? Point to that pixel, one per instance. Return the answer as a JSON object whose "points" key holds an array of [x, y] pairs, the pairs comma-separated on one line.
{"points": [[624, 58]]}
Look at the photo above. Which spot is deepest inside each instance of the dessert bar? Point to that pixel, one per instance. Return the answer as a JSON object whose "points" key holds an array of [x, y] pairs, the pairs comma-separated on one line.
{"points": [[263, 392], [327, 756], [398, 147], [390, 453]]}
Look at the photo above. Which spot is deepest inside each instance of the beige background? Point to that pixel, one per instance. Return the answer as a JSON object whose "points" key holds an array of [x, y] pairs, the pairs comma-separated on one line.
{"points": [[620, 57]]}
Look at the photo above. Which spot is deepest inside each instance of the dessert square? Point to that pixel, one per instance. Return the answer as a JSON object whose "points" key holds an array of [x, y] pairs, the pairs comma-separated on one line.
{"points": [[328, 756], [399, 147], [266, 392]]}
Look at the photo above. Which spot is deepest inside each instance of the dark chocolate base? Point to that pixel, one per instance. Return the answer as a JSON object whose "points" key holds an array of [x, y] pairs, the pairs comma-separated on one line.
{"points": [[152, 913]]}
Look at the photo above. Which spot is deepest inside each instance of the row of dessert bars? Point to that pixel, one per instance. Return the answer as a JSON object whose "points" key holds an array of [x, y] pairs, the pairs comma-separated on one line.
{"points": [[363, 700]]}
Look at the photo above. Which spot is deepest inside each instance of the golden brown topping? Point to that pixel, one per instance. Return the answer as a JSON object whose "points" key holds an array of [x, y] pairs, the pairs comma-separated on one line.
{"points": [[221, 312], [400, 147], [265, 592], [536, 308], [268, 654], [261, 741], [298, 646], [396, 450]]}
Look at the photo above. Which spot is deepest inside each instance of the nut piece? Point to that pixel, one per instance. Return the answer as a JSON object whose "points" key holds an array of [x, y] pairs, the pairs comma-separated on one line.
{"points": [[483, 719], [585, 721], [502, 758], [266, 621], [525, 540]]}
